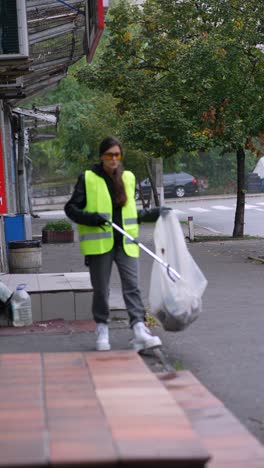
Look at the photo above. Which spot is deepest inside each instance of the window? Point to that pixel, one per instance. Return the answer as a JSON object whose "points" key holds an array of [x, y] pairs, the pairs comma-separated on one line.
{"points": [[94, 25], [13, 29], [91, 19]]}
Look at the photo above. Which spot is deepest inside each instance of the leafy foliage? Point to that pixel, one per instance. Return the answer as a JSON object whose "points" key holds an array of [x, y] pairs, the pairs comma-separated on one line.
{"points": [[59, 225], [85, 118], [188, 75], [178, 79]]}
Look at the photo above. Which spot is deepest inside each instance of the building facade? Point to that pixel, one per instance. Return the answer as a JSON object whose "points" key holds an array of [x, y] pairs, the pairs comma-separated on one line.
{"points": [[39, 40]]}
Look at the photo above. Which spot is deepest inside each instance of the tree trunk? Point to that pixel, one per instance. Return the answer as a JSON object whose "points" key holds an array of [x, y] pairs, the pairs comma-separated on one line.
{"points": [[141, 196], [152, 184], [240, 207]]}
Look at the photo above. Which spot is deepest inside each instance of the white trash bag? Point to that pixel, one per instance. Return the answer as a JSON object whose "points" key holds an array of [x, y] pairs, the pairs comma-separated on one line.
{"points": [[175, 303]]}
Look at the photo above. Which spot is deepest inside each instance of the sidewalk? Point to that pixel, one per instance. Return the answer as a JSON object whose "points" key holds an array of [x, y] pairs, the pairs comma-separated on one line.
{"points": [[66, 258], [223, 348]]}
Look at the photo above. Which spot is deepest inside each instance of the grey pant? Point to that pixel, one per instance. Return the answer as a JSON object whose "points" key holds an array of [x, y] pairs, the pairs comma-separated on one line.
{"points": [[100, 270]]}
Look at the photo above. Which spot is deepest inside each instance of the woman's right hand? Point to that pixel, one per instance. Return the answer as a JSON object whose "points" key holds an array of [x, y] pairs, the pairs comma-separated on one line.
{"points": [[94, 219]]}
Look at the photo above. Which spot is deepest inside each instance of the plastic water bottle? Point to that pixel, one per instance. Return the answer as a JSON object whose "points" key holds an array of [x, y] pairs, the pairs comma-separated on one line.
{"points": [[5, 292], [21, 307]]}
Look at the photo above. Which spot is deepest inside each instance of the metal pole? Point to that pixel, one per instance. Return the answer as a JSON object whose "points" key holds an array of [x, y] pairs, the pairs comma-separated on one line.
{"points": [[190, 225], [21, 171]]}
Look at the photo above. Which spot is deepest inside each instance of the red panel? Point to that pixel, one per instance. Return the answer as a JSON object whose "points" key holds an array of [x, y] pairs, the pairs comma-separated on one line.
{"points": [[100, 12], [99, 30], [3, 208]]}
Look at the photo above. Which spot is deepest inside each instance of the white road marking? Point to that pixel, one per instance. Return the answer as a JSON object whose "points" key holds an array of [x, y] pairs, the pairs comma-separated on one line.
{"points": [[178, 211], [208, 229], [199, 210], [221, 207]]}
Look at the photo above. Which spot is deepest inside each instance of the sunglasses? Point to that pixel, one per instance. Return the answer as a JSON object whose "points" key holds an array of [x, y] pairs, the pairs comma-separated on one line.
{"points": [[109, 156]]}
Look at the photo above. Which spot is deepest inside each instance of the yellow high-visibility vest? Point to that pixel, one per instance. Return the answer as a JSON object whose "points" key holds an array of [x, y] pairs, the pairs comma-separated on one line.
{"points": [[98, 240]]}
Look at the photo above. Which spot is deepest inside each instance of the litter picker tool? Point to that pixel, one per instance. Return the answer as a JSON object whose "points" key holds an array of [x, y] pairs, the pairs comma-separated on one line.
{"points": [[173, 275]]}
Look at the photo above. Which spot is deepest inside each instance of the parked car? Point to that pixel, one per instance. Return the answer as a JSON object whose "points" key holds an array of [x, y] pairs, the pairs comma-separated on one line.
{"points": [[176, 184]]}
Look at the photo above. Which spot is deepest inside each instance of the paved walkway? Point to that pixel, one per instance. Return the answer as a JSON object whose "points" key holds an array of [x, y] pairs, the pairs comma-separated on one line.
{"points": [[91, 409], [223, 348]]}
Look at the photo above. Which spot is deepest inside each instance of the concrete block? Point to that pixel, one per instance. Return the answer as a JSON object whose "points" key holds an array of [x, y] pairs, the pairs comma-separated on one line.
{"points": [[29, 279], [4, 322], [36, 307], [58, 305], [5, 278], [80, 280], [83, 305], [53, 282], [116, 300]]}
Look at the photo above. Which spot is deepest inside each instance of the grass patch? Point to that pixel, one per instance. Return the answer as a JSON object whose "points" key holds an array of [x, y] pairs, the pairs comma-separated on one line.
{"points": [[213, 238], [151, 321], [178, 366]]}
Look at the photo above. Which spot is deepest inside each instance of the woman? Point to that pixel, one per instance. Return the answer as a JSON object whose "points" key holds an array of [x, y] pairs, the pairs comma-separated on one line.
{"points": [[108, 192]]}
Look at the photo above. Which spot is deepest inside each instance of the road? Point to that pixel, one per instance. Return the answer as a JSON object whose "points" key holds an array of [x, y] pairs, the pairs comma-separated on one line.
{"points": [[217, 214]]}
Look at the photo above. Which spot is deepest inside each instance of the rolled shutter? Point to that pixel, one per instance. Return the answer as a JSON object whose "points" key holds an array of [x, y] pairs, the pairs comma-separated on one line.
{"points": [[9, 40]]}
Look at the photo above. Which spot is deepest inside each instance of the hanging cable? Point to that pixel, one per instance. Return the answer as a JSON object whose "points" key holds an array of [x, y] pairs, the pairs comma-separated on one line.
{"points": [[71, 7]]}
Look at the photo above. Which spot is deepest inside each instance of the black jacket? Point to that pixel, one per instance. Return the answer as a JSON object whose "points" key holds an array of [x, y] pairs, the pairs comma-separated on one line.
{"points": [[74, 207]]}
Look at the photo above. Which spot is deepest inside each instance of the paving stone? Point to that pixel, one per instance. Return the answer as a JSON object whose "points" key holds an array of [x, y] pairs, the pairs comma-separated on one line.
{"points": [[229, 442], [105, 409]]}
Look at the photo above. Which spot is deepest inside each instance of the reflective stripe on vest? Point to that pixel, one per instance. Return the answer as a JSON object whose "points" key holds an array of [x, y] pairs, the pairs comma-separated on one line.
{"points": [[94, 236], [99, 240], [129, 215], [129, 241], [131, 221]]}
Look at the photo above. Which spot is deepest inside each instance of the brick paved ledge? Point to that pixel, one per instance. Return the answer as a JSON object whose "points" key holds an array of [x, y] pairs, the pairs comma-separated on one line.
{"points": [[228, 441], [91, 409]]}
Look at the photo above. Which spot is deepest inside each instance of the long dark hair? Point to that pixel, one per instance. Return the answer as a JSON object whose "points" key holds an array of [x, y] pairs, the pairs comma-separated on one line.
{"points": [[107, 143], [119, 192]]}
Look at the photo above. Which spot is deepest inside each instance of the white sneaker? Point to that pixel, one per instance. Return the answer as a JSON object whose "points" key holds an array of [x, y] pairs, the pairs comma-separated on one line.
{"points": [[102, 342], [143, 338]]}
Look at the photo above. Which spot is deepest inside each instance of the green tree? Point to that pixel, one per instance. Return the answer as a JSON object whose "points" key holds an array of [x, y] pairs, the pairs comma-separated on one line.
{"points": [[86, 117], [187, 76]]}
